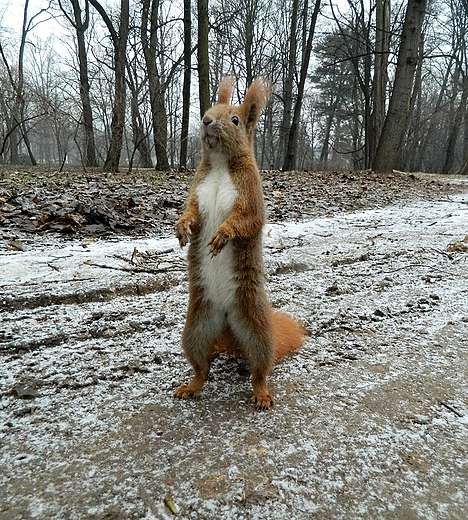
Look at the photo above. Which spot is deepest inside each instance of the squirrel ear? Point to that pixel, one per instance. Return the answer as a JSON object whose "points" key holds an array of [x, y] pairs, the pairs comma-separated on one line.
{"points": [[225, 90], [256, 98]]}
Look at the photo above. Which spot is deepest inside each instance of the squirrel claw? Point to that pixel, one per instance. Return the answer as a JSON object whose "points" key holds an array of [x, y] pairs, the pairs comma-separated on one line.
{"points": [[185, 391], [184, 230], [217, 243], [263, 402]]}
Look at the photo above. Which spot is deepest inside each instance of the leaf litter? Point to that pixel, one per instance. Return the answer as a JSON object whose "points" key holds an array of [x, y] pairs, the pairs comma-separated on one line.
{"points": [[371, 416]]}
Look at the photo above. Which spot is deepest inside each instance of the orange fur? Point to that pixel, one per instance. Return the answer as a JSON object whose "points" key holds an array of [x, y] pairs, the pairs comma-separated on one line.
{"points": [[225, 90], [228, 308], [288, 336]]}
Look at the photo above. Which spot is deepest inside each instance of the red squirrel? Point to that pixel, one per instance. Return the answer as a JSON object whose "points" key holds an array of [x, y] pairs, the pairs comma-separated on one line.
{"points": [[228, 309]]}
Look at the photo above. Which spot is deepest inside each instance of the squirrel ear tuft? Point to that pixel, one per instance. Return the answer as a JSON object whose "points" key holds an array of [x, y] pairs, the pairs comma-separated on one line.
{"points": [[256, 98], [225, 90]]}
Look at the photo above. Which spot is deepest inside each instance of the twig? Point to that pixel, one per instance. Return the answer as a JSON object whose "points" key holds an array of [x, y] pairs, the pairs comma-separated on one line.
{"points": [[135, 269], [400, 268], [144, 256], [433, 268], [451, 408], [445, 253]]}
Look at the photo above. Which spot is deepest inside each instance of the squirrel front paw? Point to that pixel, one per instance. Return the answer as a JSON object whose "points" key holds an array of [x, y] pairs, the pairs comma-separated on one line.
{"points": [[184, 228], [218, 242]]}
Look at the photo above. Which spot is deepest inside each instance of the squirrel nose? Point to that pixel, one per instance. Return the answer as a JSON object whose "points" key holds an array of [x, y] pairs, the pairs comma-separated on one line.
{"points": [[207, 120]]}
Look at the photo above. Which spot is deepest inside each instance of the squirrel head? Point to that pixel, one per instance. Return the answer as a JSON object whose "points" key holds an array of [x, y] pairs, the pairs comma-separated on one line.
{"points": [[228, 129]]}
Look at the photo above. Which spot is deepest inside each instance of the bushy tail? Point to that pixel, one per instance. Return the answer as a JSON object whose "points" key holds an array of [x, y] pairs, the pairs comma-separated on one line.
{"points": [[289, 334]]}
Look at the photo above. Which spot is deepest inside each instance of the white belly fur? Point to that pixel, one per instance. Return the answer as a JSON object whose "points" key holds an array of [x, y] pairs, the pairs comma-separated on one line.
{"points": [[216, 196]]}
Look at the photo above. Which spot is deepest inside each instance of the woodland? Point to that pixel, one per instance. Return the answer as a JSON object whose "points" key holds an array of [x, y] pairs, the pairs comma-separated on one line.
{"points": [[357, 84]]}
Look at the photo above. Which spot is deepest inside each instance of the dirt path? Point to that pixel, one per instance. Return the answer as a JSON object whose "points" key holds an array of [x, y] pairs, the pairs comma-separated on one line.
{"points": [[370, 419]]}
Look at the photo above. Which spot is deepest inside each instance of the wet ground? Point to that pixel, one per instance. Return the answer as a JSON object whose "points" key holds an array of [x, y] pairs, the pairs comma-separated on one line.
{"points": [[370, 418]]}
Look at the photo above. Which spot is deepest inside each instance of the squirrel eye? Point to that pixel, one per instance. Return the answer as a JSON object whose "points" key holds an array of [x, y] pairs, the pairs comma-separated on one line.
{"points": [[235, 120]]}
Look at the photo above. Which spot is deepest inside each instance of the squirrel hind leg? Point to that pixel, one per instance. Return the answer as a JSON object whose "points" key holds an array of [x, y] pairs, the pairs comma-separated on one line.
{"points": [[254, 332], [202, 327], [261, 396], [193, 388]]}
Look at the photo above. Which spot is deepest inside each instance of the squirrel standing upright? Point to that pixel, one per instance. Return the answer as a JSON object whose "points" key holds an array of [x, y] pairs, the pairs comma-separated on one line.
{"points": [[228, 308]]}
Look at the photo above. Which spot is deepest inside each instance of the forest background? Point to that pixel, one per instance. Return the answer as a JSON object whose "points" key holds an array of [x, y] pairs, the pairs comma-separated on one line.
{"points": [[357, 84]]}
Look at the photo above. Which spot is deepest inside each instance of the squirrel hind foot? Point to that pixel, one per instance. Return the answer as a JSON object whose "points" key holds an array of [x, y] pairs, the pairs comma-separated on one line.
{"points": [[263, 401], [186, 391]]}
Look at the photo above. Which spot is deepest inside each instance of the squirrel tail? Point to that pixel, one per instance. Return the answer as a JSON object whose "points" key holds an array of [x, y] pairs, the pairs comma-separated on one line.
{"points": [[288, 333]]}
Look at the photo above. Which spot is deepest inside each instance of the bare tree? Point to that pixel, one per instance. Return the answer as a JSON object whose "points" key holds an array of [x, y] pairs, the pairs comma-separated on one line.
{"points": [[203, 57], [80, 23], [149, 40], [290, 158], [186, 83], [119, 40], [288, 84], [17, 119], [399, 107], [379, 87]]}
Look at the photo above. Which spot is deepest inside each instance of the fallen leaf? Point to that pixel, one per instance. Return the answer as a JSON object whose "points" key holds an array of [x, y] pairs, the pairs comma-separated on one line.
{"points": [[87, 241], [260, 451], [15, 245], [457, 247], [24, 390]]}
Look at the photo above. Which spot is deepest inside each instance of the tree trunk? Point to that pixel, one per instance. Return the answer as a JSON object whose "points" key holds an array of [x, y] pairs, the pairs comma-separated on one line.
{"points": [[382, 45], [119, 40], [394, 127], [453, 136], [290, 159], [203, 60], [156, 90], [118, 117], [186, 84], [16, 120], [81, 26], [464, 168], [288, 83]]}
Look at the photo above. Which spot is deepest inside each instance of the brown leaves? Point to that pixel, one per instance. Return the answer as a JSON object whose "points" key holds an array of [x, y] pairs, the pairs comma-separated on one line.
{"points": [[94, 203], [90, 203], [300, 195], [458, 246]]}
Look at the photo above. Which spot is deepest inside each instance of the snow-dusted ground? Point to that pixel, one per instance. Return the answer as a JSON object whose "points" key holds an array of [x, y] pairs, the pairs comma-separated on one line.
{"points": [[370, 419]]}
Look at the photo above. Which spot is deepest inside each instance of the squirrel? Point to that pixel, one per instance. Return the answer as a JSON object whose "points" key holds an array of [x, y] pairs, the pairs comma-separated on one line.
{"points": [[228, 309]]}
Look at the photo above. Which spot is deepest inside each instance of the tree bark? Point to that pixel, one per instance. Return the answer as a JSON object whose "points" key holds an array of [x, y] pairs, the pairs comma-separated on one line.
{"points": [[81, 26], [382, 45], [119, 40], [186, 84], [156, 89], [395, 123], [203, 59], [288, 83]]}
